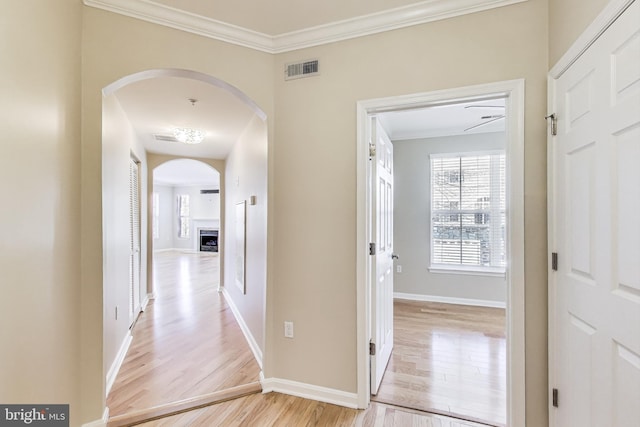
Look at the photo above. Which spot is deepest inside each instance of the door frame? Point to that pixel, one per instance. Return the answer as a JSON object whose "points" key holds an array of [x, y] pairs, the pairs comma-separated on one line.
{"points": [[609, 14], [136, 304], [513, 92]]}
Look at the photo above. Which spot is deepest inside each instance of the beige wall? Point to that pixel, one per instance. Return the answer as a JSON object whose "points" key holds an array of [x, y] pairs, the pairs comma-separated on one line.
{"points": [[567, 20], [246, 176], [119, 144], [40, 185], [114, 47], [312, 170], [411, 223], [315, 178]]}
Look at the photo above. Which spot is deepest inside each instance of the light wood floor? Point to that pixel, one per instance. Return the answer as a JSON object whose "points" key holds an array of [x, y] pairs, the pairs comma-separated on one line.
{"points": [[187, 346], [187, 342], [279, 410], [448, 359]]}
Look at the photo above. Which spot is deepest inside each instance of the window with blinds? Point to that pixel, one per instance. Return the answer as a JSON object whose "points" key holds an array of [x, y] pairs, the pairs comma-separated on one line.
{"points": [[468, 211], [183, 216]]}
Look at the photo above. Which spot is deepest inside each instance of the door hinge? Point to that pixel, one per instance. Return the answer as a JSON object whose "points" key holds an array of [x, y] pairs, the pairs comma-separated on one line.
{"points": [[554, 397], [554, 123], [554, 261], [372, 248], [372, 349], [372, 150]]}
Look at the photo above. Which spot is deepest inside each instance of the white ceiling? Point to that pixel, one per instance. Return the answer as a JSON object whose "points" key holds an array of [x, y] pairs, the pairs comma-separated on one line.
{"points": [[185, 172], [157, 105], [445, 120]]}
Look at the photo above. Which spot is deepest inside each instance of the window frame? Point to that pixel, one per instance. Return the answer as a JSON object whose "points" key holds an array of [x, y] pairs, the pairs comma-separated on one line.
{"points": [[186, 218], [464, 269]]}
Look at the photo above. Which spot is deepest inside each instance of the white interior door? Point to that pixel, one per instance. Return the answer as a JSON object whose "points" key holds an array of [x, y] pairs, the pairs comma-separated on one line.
{"points": [[382, 265], [134, 240], [596, 214]]}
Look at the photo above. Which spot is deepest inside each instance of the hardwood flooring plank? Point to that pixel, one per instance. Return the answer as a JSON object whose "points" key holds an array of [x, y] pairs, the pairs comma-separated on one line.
{"points": [[448, 359], [279, 410], [173, 408], [187, 342]]}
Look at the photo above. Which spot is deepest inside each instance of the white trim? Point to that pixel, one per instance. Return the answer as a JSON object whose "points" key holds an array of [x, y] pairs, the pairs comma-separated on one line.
{"points": [[101, 422], [603, 21], [182, 250], [145, 302], [387, 20], [117, 363], [450, 300], [310, 391], [253, 344], [165, 250], [514, 92], [460, 270], [392, 19], [167, 16], [185, 74], [609, 14], [551, 247]]}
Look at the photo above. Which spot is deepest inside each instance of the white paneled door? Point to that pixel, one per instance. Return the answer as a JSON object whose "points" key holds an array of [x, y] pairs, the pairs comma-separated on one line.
{"points": [[596, 217], [382, 240], [134, 240]]}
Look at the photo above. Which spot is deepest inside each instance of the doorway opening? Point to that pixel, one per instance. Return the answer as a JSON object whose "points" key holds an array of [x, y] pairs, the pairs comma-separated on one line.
{"points": [[142, 114], [464, 240]]}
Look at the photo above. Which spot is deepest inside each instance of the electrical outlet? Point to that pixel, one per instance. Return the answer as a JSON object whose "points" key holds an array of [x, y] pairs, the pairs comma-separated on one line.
{"points": [[398, 269], [288, 329]]}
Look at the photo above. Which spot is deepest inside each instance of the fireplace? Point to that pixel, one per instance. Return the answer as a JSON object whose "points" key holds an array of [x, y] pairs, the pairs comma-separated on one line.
{"points": [[208, 240]]}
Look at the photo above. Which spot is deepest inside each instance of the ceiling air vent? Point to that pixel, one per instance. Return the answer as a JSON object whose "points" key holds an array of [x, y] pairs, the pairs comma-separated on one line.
{"points": [[209, 191], [301, 69], [167, 138]]}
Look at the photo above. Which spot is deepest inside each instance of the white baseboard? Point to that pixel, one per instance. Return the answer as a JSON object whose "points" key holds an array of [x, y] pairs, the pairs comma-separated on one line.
{"points": [[309, 391], [145, 302], [117, 363], [99, 423], [186, 250], [450, 300], [253, 344]]}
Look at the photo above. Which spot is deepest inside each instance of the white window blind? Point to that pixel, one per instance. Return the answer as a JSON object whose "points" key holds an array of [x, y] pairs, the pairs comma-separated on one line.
{"points": [[468, 211], [183, 216]]}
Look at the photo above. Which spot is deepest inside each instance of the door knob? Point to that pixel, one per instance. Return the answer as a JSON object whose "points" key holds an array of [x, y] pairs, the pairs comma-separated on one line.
{"points": [[394, 256]]}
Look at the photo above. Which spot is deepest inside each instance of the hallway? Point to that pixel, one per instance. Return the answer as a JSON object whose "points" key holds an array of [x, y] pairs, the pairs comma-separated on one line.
{"points": [[186, 343]]}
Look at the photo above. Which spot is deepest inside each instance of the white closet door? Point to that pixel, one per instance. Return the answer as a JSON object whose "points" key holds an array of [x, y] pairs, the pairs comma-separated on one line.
{"points": [[597, 220]]}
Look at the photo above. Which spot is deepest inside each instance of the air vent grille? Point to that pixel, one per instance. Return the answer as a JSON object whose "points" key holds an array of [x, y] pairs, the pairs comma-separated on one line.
{"points": [[209, 191], [301, 69], [167, 138]]}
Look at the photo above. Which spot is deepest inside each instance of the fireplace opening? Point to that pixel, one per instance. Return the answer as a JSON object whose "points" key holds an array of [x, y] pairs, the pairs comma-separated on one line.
{"points": [[208, 240]]}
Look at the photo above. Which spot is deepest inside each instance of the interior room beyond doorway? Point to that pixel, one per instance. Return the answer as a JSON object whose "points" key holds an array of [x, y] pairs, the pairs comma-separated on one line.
{"points": [[450, 282]]}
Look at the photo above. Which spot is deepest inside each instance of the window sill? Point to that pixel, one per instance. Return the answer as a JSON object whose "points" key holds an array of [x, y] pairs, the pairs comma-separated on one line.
{"points": [[470, 271]]}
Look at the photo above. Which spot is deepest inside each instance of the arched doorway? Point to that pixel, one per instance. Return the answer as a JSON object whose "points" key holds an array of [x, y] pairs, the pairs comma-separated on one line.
{"points": [[140, 114]]}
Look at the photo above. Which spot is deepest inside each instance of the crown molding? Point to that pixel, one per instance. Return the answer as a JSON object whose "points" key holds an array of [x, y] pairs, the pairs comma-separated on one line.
{"points": [[160, 14], [392, 19]]}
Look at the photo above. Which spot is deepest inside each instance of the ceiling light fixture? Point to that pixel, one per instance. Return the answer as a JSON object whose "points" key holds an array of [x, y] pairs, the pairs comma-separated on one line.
{"points": [[188, 135]]}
